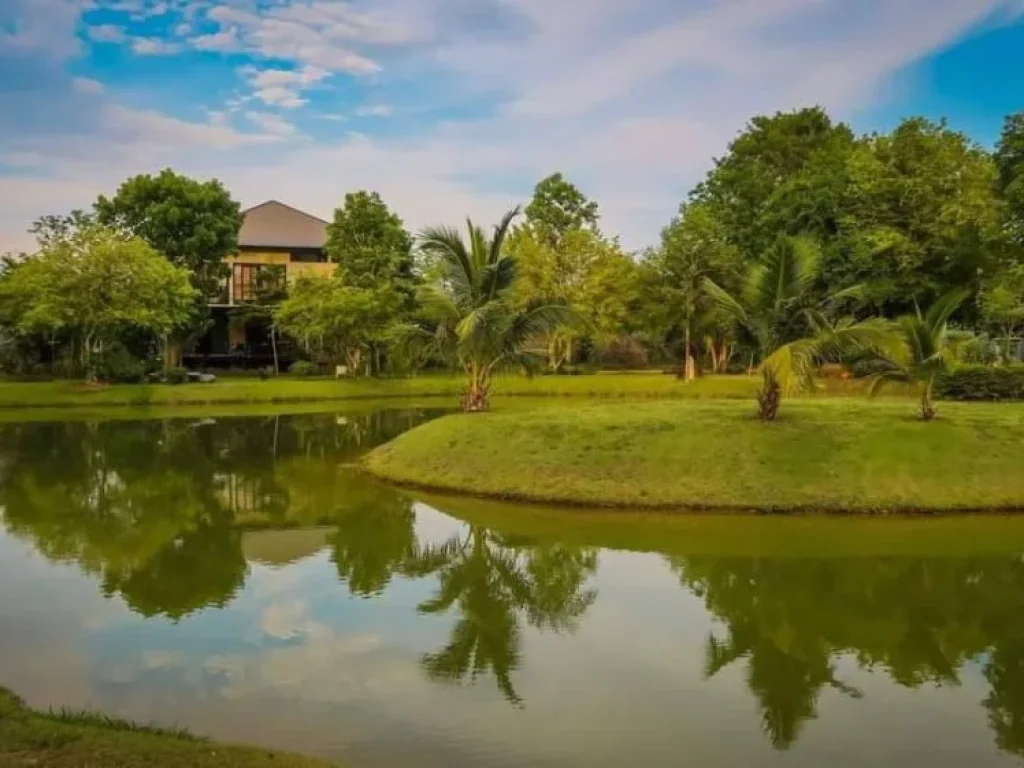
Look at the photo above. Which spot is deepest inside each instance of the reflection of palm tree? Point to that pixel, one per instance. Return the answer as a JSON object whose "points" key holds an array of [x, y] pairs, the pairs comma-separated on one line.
{"points": [[491, 584], [786, 682]]}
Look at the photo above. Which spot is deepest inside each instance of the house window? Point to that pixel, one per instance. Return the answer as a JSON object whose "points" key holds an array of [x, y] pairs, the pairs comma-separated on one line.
{"points": [[251, 281], [243, 281]]}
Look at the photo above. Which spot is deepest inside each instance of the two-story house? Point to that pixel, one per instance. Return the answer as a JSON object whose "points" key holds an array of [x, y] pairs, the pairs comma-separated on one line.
{"points": [[274, 238]]}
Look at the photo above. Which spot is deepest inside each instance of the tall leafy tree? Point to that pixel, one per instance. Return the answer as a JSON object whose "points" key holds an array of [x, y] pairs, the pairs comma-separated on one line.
{"points": [[781, 176], [373, 251], [920, 217], [334, 319], [472, 310], [97, 285], [557, 208], [694, 249], [1002, 306], [585, 271], [194, 224]]}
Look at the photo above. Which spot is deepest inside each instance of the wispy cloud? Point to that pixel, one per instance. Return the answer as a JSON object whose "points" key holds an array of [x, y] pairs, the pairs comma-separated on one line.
{"points": [[106, 33], [375, 110], [154, 46], [631, 98], [87, 85]]}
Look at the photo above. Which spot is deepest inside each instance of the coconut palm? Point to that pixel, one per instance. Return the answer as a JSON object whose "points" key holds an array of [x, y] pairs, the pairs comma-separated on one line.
{"points": [[471, 311], [927, 351], [791, 331]]}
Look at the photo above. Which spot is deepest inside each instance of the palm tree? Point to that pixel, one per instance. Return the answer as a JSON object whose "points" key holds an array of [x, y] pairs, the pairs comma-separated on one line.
{"points": [[471, 311], [792, 333], [928, 350]]}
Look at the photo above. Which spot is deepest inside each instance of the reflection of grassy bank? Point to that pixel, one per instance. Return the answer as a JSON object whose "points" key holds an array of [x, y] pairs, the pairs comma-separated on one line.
{"points": [[77, 740], [287, 390], [824, 455], [743, 535]]}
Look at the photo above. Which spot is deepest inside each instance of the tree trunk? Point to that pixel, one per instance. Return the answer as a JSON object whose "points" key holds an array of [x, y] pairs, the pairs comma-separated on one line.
{"points": [[928, 411], [477, 397], [273, 349], [769, 397], [689, 364]]}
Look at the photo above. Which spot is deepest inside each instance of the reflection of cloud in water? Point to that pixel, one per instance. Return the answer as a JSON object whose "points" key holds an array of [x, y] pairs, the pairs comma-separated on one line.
{"points": [[433, 527]]}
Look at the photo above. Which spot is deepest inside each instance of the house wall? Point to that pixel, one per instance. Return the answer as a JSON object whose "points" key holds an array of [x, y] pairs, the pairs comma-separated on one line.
{"points": [[293, 269]]}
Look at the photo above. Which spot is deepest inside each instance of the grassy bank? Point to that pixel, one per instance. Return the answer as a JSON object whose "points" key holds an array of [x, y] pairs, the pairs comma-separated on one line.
{"points": [[825, 455], [237, 391], [69, 740]]}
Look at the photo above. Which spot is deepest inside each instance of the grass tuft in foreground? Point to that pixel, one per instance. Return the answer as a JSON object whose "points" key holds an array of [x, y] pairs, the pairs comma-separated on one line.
{"points": [[86, 740], [822, 455]]}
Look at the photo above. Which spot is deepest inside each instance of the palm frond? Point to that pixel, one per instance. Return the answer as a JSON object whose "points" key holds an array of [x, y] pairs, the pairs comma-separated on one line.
{"points": [[938, 314], [793, 364], [446, 243], [725, 303], [879, 380], [497, 276], [501, 230]]}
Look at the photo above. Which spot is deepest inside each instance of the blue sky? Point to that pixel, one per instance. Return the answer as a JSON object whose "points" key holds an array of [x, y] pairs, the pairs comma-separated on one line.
{"points": [[456, 107]]}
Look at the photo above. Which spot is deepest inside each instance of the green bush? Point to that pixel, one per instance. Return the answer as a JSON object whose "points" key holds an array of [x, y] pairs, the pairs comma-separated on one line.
{"points": [[177, 375], [982, 382], [304, 368], [119, 366]]}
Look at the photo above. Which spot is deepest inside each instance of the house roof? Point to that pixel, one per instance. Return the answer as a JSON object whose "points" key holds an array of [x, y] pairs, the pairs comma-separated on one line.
{"points": [[275, 225]]}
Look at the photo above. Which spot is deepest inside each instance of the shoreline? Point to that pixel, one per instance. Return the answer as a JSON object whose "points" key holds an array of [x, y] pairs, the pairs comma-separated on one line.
{"points": [[824, 457], [68, 738], [669, 509]]}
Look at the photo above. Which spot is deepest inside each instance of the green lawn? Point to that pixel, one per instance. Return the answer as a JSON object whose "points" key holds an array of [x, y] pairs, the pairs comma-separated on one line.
{"points": [[70, 740], [235, 391], [826, 454]]}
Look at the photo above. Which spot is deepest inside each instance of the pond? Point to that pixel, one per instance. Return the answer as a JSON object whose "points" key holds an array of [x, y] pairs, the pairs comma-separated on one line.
{"points": [[237, 577]]}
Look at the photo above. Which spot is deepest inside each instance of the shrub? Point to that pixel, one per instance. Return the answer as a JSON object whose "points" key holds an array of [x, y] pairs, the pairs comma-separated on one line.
{"points": [[982, 382], [304, 368], [625, 353], [118, 366], [177, 375]]}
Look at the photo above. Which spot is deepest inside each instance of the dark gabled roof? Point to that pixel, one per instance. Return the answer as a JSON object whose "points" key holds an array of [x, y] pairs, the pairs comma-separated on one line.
{"points": [[276, 225]]}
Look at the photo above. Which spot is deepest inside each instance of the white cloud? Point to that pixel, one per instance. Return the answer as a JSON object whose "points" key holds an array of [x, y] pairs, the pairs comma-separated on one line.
{"points": [[225, 40], [314, 34], [87, 85], [154, 46], [46, 27], [630, 98], [375, 110], [280, 87], [106, 33], [271, 123], [279, 96], [149, 128]]}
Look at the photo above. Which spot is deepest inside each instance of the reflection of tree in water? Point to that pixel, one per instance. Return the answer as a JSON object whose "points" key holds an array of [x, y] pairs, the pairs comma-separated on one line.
{"points": [[918, 620], [153, 507], [492, 585]]}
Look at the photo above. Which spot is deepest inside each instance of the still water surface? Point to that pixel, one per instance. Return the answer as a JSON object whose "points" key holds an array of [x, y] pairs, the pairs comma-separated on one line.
{"points": [[231, 575]]}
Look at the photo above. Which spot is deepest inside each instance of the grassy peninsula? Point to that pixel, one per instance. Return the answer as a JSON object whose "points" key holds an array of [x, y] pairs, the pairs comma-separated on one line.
{"points": [[84, 740], [830, 455]]}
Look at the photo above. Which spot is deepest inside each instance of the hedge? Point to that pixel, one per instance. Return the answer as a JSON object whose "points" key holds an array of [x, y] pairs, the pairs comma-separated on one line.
{"points": [[982, 382]]}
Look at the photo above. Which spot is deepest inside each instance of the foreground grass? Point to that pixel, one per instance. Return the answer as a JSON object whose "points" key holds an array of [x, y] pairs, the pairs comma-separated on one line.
{"points": [[824, 455], [77, 740], [236, 391]]}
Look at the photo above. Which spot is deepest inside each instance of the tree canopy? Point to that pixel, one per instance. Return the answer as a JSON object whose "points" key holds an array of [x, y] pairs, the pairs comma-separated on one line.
{"points": [[193, 224]]}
